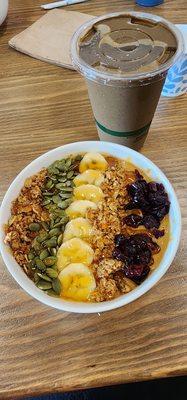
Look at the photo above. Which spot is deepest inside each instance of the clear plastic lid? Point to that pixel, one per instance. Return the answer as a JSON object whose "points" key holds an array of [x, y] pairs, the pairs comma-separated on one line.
{"points": [[142, 49]]}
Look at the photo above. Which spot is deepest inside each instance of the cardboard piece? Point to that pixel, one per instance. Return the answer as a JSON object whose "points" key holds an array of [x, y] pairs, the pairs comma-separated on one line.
{"points": [[48, 39]]}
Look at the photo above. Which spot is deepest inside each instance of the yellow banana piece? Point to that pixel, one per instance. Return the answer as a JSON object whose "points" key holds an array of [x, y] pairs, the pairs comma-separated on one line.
{"points": [[77, 282], [93, 161], [79, 208], [79, 228], [74, 250], [91, 176], [88, 192]]}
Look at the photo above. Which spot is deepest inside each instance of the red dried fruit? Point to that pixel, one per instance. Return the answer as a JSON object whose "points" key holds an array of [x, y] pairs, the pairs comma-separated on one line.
{"points": [[151, 199], [136, 252], [133, 220]]}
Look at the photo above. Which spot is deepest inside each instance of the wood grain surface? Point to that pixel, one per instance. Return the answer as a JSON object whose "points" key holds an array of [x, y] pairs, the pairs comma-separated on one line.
{"points": [[43, 350]]}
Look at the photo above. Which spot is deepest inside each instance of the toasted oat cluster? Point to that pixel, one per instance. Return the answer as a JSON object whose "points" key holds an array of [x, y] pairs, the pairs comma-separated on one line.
{"points": [[89, 227]]}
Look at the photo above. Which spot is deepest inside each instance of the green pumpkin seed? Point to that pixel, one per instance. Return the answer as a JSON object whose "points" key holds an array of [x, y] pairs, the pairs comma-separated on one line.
{"points": [[44, 253], [62, 204], [56, 285], [56, 199], [78, 157], [60, 186], [34, 227], [36, 277], [31, 255], [32, 265], [60, 239], [49, 261], [48, 193], [67, 189], [49, 184], [51, 242], [51, 273], [44, 277], [40, 264], [44, 285], [62, 180], [68, 183], [54, 232], [36, 246], [51, 292], [70, 174], [68, 163], [53, 178], [53, 251], [45, 226], [65, 195], [46, 202], [42, 237], [54, 266]]}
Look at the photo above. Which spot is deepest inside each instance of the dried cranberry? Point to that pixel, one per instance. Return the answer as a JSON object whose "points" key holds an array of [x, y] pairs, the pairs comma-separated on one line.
{"points": [[149, 221], [137, 273], [158, 233], [119, 240], [133, 220], [150, 198]]}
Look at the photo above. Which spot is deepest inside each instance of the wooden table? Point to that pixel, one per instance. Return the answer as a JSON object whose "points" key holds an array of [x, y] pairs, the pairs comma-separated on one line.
{"points": [[43, 350]]}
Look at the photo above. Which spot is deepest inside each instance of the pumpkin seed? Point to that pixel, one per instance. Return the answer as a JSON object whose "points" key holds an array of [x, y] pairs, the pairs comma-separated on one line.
{"points": [[51, 242], [40, 264], [54, 266], [68, 163], [66, 189], [60, 239], [32, 265], [56, 199], [46, 202], [44, 277], [49, 184], [36, 246], [48, 193], [44, 285], [42, 237], [51, 292], [51, 273], [45, 225], [62, 204], [54, 232], [68, 183], [60, 186], [34, 227], [31, 255], [50, 261], [62, 179], [65, 195], [44, 253], [78, 157], [56, 285], [70, 174], [53, 251], [36, 277]]}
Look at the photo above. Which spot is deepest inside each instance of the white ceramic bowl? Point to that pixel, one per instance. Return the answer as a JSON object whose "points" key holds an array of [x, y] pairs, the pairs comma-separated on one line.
{"points": [[115, 150]]}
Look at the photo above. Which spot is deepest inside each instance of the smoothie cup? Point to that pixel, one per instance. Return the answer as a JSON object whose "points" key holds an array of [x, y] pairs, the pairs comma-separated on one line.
{"points": [[127, 71]]}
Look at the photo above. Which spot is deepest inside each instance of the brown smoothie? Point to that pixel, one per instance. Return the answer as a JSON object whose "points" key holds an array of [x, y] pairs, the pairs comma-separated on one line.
{"points": [[125, 58]]}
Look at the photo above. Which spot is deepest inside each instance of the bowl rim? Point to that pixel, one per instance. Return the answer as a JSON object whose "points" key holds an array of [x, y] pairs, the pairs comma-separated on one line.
{"points": [[80, 307]]}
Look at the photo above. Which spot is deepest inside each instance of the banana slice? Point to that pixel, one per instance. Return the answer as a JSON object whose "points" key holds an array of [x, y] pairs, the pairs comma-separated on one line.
{"points": [[79, 208], [88, 192], [74, 251], [77, 282], [79, 228], [93, 161], [91, 176]]}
